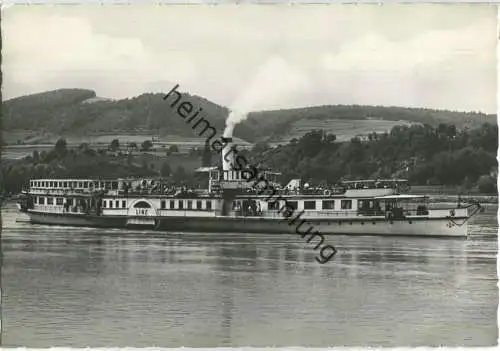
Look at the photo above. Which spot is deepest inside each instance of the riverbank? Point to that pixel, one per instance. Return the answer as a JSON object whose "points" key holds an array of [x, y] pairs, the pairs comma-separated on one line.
{"points": [[438, 193]]}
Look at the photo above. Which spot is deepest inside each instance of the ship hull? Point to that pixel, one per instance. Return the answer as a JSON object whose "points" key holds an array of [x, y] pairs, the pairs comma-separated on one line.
{"points": [[435, 227], [425, 227], [75, 220]]}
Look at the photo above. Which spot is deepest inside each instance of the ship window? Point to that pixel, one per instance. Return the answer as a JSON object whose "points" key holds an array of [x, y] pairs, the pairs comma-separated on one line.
{"points": [[59, 184], [328, 204], [80, 184], [69, 202], [273, 205], [104, 203], [292, 204], [50, 201], [346, 204], [142, 204], [309, 205], [85, 184], [59, 201], [209, 205], [190, 204], [110, 204], [35, 200], [114, 185], [124, 203], [74, 184], [181, 204], [172, 204], [163, 204], [198, 205], [65, 184], [41, 201], [117, 204]]}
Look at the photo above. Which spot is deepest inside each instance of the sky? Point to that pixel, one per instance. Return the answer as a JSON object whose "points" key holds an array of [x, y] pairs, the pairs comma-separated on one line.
{"points": [[259, 57]]}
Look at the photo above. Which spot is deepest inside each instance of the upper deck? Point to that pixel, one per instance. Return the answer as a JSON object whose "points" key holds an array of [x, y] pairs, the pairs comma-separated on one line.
{"points": [[155, 187], [65, 186]]}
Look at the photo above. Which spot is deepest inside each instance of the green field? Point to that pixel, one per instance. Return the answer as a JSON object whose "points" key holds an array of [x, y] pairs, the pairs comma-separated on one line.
{"points": [[342, 128], [45, 143]]}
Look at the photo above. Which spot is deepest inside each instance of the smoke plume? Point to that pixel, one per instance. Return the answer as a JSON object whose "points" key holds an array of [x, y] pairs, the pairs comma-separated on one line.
{"points": [[275, 82]]}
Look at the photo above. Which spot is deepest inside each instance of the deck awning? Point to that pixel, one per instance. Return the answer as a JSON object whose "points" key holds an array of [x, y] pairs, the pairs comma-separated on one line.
{"points": [[206, 169], [400, 197]]}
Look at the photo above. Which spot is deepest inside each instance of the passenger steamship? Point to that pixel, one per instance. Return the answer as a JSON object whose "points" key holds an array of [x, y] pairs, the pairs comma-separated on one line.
{"points": [[232, 204]]}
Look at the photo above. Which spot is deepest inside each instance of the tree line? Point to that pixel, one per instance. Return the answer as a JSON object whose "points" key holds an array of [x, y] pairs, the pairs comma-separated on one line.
{"points": [[420, 153]]}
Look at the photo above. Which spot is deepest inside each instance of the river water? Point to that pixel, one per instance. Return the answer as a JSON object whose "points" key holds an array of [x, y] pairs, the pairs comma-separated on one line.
{"points": [[86, 287]]}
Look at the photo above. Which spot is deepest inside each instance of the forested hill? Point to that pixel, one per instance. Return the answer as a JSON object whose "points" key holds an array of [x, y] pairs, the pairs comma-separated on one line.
{"points": [[80, 112], [353, 120]]}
